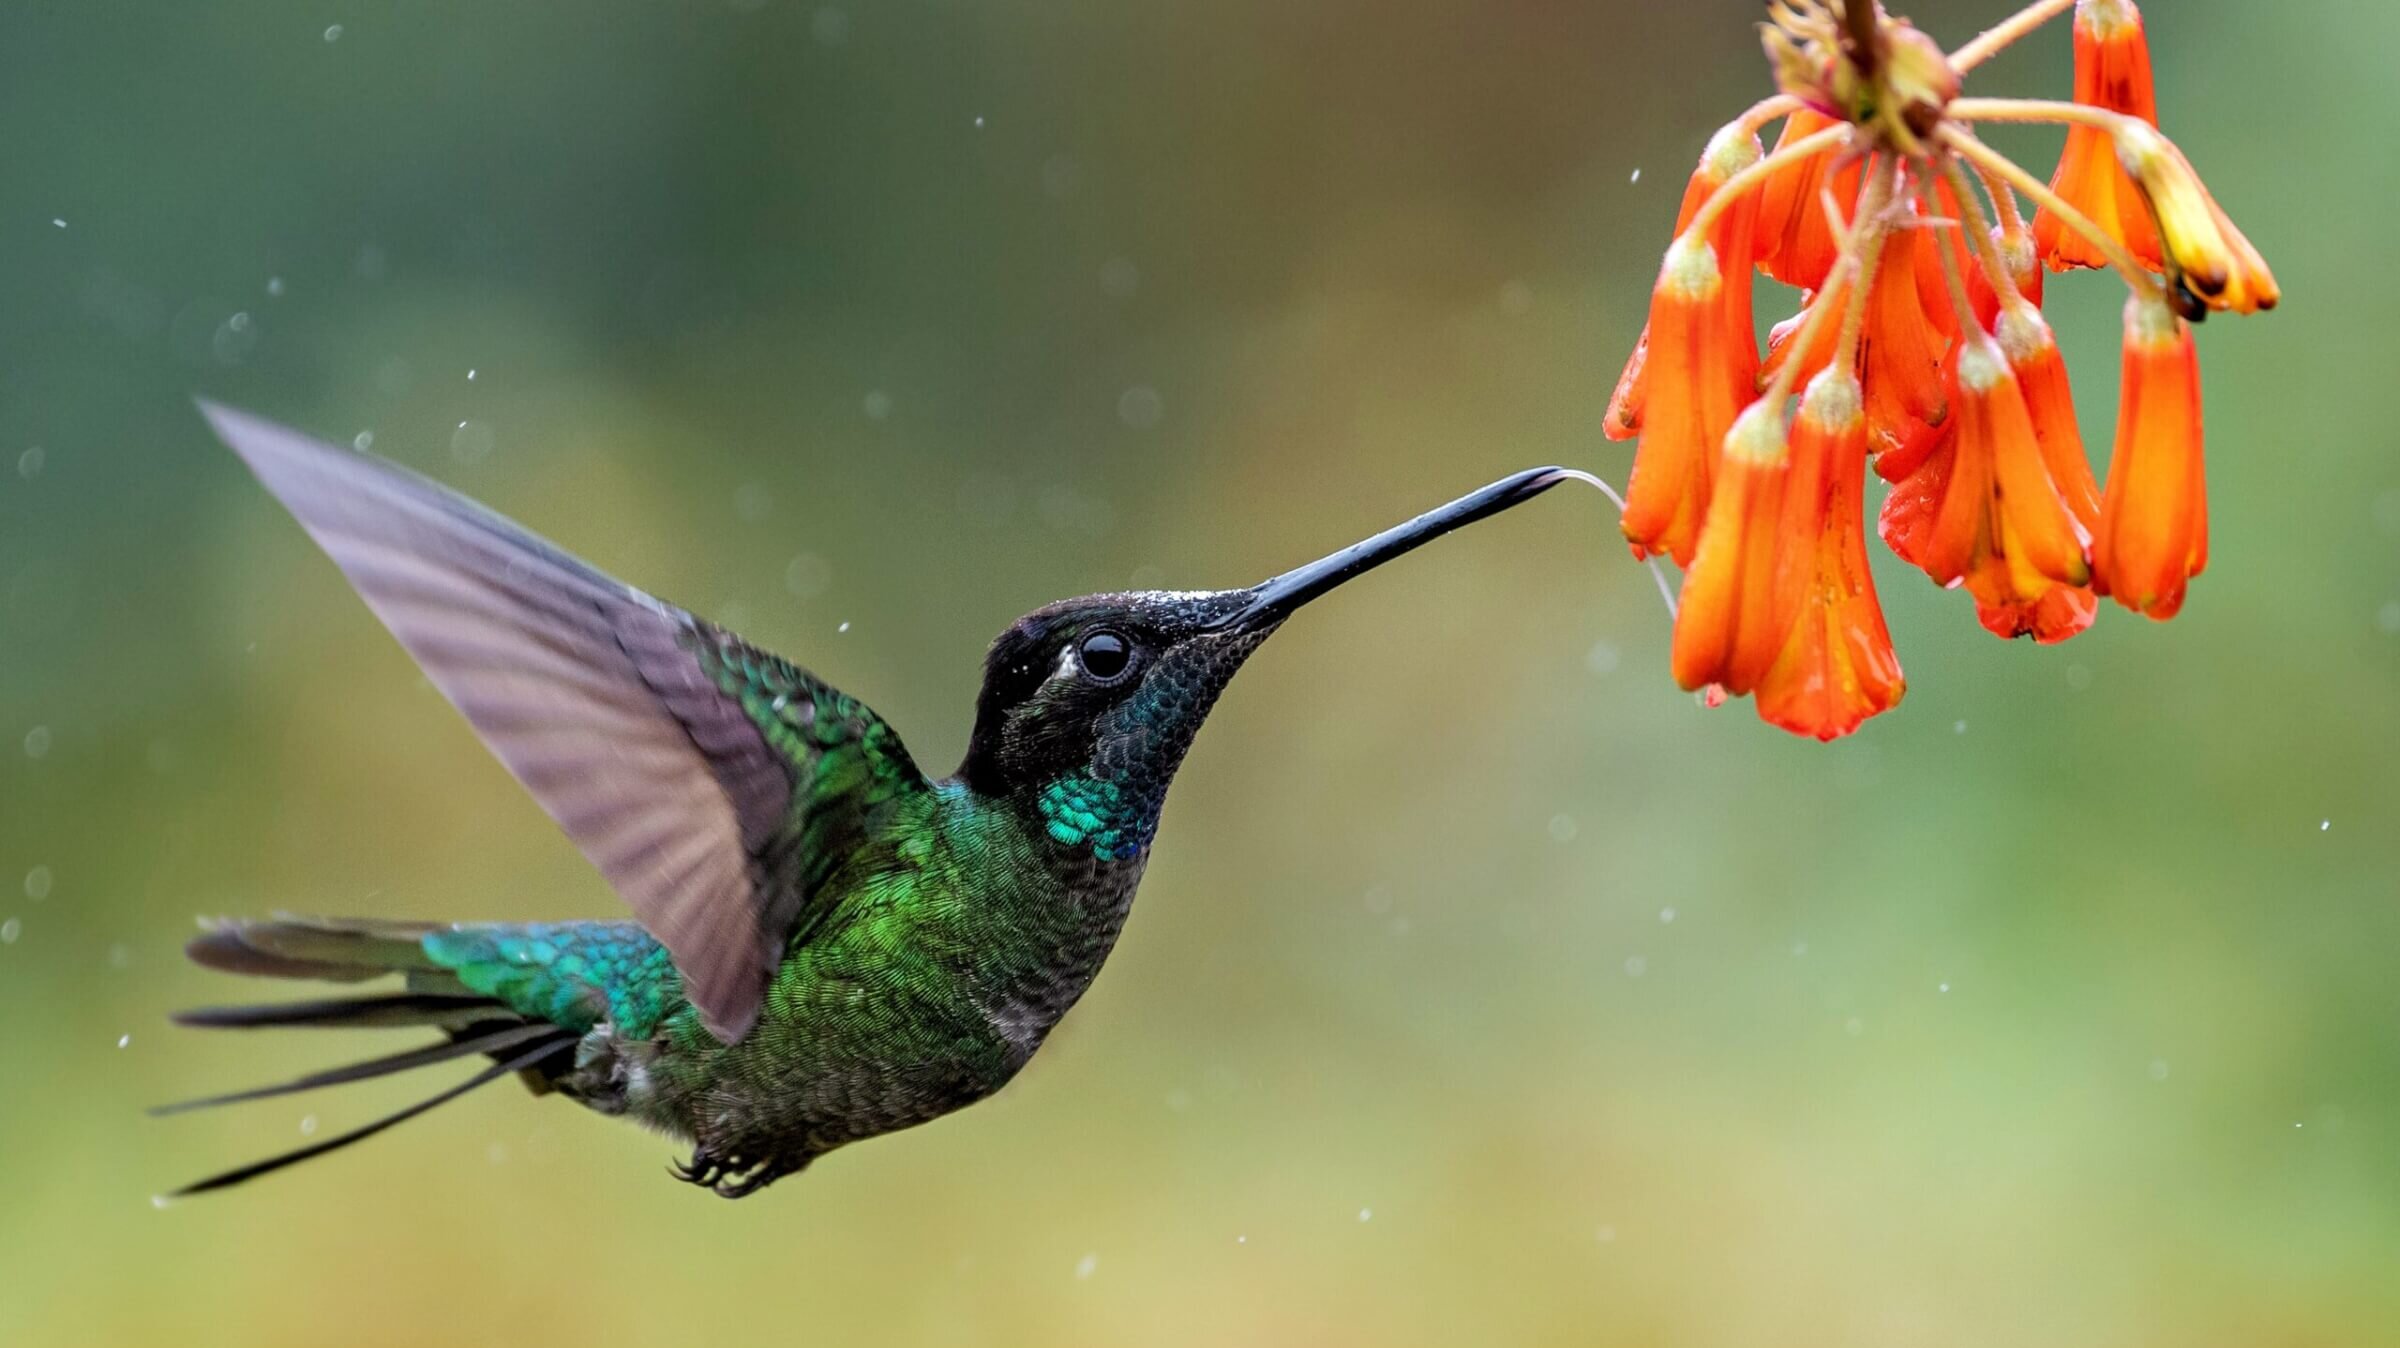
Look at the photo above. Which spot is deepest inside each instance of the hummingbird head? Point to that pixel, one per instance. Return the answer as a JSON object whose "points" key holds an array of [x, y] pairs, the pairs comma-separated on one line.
{"points": [[1089, 704]]}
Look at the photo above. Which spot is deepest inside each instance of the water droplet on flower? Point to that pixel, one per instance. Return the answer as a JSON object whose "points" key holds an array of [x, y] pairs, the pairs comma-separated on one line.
{"points": [[37, 883], [1140, 407], [1085, 1266], [37, 742], [29, 463], [471, 442]]}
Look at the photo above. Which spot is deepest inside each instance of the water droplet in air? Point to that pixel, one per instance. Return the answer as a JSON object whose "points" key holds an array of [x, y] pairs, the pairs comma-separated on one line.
{"points": [[1602, 658], [275, 287], [1637, 176], [471, 442], [119, 956], [58, 222], [1854, 1027], [2158, 1069], [753, 502], [37, 742], [160, 1201], [1563, 828], [1636, 966], [37, 883], [236, 338], [2323, 825], [1666, 914], [11, 930], [1084, 1266], [2078, 678], [1516, 298], [807, 576], [1606, 1235], [124, 1040], [979, 121], [1366, 1214], [333, 32], [1140, 407], [29, 463], [2388, 617], [1956, 727], [1944, 988], [1061, 175], [470, 376], [878, 405], [308, 1125], [363, 441], [843, 628]]}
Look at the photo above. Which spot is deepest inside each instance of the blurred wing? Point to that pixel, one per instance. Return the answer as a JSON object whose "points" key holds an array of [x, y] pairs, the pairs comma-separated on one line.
{"points": [[698, 773]]}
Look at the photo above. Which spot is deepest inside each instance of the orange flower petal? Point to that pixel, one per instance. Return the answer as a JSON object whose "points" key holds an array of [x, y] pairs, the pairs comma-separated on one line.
{"points": [[1700, 373], [1795, 240], [1900, 353], [2211, 264], [2153, 535], [1836, 667], [1734, 236], [1732, 615], [2112, 70]]}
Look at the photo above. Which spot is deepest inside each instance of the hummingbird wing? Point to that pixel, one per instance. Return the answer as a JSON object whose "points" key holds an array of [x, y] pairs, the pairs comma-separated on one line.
{"points": [[709, 781]]}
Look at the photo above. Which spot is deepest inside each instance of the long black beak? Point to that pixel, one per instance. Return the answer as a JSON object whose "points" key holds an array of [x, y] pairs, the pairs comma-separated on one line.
{"points": [[1274, 600]]}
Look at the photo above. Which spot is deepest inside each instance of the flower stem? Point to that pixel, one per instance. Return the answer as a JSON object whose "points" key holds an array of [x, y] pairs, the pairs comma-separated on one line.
{"points": [[1852, 268], [1985, 157], [1968, 328], [1766, 110], [1732, 188], [1992, 41], [1979, 235], [2036, 110], [1866, 252]]}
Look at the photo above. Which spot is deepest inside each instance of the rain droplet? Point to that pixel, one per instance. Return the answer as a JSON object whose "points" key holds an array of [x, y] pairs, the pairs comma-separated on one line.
{"points": [[844, 627], [1602, 658], [1944, 988], [878, 405], [2324, 825], [275, 287], [1606, 1235], [119, 957], [1085, 1266], [829, 25], [159, 1201], [58, 222], [979, 121], [1366, 1214], [1958, 727], [11, 930], [29, 463], [753, 502], [2078, 678], [1854, 1027], [1140, 407], [308, 1125], [470, 375], [2158, 1069], [363, 441], [37, 742], [37, 883], [1666, 914], [1636, 966], [1637, 176], [333, 32], [1563, 827], [235, 339], [471, 442], [807, 576], [124, 1040], [2388, 617]]}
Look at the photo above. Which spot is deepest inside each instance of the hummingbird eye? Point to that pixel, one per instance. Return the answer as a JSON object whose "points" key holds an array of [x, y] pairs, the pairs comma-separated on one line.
{"points": [[1105, 657]]}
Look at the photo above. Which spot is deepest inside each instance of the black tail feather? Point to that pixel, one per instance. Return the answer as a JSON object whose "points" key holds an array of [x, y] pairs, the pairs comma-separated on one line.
{"points": [[398, 1008], [561, 1041], [495, 1042]]}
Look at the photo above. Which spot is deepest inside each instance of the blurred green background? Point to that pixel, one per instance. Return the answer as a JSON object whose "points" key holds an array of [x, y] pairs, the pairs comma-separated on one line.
{"points": [[1485, 990]]}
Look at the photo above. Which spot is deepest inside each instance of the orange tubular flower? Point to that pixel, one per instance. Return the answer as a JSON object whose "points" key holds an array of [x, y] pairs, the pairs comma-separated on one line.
{"points": [[1700, 373], [1736, 601], [2000, 526], [2033, 358], [1901, 361], [2112, 71], [1731, 150], [2153, 535], [1922, 349], [1836, 667], [1795, 240]]}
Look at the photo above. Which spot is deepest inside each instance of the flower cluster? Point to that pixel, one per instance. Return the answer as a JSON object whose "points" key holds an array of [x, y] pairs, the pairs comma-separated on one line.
{"points": [[1919, 346]]}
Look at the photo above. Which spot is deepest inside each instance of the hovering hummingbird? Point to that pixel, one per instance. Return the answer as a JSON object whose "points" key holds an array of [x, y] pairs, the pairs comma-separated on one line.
{"points": [[830, 944]]}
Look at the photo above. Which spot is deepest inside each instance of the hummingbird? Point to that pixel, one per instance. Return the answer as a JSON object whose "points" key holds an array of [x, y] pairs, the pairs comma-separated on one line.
{"points": [[828, 944]]}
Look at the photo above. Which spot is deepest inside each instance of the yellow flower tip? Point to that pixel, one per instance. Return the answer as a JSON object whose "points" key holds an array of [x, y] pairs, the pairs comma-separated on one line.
{"points": [[1759, 436], [1834, 403], [1735, 147], [2023, 334], [2208, 260]]}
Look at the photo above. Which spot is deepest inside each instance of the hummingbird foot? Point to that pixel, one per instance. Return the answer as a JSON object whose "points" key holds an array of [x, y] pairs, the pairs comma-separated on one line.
{"points": [[733, 1175]]}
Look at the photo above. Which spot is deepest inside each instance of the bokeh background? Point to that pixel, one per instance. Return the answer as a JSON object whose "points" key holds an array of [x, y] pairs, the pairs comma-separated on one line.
{"points": [[1485, 988]]}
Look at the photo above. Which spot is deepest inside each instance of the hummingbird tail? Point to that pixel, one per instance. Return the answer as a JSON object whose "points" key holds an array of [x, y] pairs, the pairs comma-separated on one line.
{"points": [[349, 952]]}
